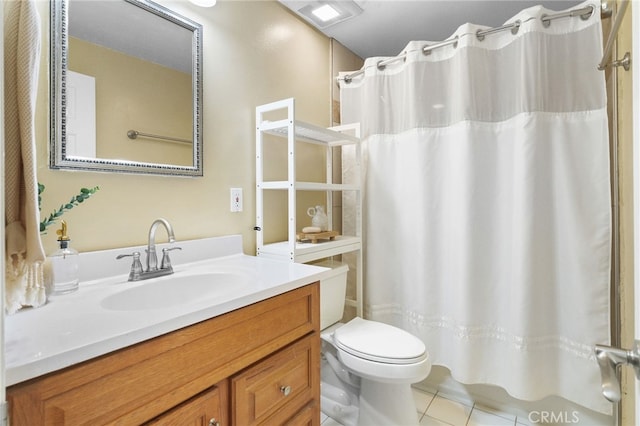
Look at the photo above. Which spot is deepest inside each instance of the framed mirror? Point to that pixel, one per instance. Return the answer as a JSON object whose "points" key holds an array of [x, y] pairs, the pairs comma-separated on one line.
{"points": [[125, 88]]}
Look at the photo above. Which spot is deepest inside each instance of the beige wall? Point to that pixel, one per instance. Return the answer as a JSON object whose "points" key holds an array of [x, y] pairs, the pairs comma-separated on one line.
{"points": [[625, 174], [134, 94], [254, 52]]}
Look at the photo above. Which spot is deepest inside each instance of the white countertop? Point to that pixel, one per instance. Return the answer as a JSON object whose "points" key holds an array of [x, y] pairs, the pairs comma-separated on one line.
{"points": [[76, 327]]}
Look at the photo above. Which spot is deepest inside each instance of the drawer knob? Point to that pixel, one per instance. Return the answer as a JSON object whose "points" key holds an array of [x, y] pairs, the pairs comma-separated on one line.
{"points": [[213, 422], [286, 390]]}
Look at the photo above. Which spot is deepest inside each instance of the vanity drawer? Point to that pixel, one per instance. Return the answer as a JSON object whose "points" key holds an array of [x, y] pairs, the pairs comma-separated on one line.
{"points": [[275, 389], [209, 408]]}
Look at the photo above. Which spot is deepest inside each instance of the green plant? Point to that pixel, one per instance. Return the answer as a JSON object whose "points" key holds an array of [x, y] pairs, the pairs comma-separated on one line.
{"points": [[75, 200]]}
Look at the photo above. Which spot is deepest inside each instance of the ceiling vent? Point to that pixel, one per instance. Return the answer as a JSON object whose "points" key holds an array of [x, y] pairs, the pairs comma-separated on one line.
{"points": [[323, 14]]}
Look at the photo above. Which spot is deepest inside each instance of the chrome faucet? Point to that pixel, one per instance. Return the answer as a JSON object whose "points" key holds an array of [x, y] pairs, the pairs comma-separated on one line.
{"points": [[152, 258], [137, 273]]}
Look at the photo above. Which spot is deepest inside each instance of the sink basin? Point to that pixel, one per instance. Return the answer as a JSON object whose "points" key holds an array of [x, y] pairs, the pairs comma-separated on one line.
{"points": [[176, 290]]}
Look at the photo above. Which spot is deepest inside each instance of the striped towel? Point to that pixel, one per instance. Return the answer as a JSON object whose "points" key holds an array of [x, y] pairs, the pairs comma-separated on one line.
{"points": [[25, 256]]}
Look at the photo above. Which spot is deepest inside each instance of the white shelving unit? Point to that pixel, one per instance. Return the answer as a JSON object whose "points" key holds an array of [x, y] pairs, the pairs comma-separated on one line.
{"points": [[294, 132]]}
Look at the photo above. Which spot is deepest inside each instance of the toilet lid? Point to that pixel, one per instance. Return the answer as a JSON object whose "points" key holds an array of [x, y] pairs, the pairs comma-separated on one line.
{"points": [[379, 342]]}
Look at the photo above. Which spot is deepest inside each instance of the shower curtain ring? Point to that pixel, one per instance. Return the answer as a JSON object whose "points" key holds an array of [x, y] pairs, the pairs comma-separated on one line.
{"points": [[588, 15], [516, 27]]}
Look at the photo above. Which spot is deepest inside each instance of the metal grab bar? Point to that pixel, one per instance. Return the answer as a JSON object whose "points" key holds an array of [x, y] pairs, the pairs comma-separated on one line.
{"points": [[133, 134], [626, 60], [609, 358]]}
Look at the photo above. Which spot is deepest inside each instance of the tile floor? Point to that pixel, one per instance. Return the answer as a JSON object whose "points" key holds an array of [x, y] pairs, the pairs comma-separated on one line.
{"points": [[439, 410]]}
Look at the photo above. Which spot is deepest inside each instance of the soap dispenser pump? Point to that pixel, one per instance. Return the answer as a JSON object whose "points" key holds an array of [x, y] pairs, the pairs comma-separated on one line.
{"points": [[64, 264]]}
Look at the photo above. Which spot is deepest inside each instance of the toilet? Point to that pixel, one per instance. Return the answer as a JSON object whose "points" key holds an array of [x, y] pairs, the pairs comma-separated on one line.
{"points": [[367, 367]]}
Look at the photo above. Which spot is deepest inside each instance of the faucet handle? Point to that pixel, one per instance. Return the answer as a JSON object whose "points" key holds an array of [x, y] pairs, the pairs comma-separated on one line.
{"points": [[166, 262], [136, 265]]}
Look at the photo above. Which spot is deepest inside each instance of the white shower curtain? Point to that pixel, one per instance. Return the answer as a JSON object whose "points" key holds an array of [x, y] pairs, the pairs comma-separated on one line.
{"points": [[487, 203]]}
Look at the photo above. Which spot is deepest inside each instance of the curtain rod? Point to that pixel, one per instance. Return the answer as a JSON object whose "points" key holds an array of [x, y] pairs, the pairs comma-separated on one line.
{"points": [[584, 13], [625, 61], [133, 134]]}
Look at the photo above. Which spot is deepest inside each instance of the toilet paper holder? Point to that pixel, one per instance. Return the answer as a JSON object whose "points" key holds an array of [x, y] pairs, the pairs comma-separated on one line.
{"points": [[609, 358]]}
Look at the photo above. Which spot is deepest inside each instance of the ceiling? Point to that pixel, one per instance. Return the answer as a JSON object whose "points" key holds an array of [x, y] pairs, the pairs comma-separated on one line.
{"points": [[383, 28], [386, 26], [133, 30]]}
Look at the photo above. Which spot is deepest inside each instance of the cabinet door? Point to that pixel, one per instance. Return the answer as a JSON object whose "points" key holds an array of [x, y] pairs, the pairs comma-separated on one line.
{"points": [[308, 416], [276, 388], [208, 408]]}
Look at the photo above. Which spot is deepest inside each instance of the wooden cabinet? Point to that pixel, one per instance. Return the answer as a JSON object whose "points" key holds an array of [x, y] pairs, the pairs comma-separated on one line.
{"points": [[184, 377], [276, 388], [305, 417], [206, 409]]}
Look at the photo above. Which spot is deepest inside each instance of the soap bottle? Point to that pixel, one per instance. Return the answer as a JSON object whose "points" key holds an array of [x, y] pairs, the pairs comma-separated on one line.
{"points": [[64, 264]]}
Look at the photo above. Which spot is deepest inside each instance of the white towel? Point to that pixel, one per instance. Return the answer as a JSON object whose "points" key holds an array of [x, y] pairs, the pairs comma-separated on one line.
{"points": [[25, 255]]}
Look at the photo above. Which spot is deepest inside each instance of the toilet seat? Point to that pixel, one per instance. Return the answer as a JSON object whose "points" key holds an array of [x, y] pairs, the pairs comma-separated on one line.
{"points": [[378, 342]]}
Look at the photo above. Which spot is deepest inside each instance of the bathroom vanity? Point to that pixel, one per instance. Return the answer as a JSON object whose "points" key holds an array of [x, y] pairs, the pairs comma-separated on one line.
{"points": [[251, 357]]}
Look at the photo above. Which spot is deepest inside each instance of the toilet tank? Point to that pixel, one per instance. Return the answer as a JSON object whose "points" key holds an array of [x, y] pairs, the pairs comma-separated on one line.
{"points": [[333, 291]]}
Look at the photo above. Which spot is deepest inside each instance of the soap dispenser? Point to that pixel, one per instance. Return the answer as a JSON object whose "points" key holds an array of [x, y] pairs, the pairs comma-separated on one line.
{"points": [[64, 264]]}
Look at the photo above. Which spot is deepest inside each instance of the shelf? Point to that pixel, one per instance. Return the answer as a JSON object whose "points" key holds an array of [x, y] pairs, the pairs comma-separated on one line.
{"points": [[309, 186], [307, 252], [309, 133], [278, 119]]}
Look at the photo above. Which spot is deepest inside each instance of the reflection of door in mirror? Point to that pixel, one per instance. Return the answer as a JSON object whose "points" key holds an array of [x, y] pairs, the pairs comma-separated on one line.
{"points": [[134, 88], [81, 115]]}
